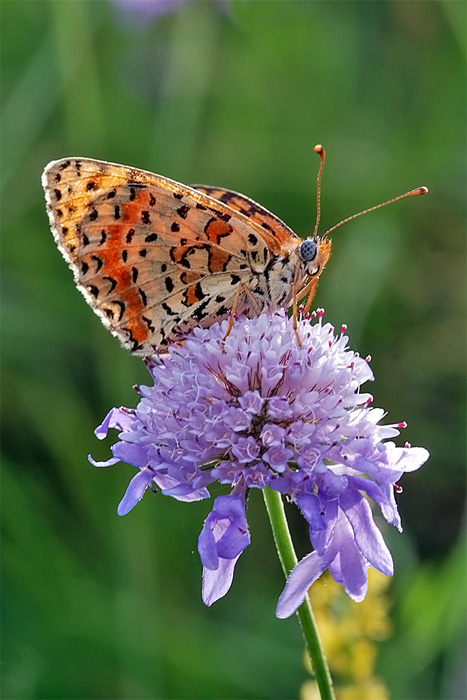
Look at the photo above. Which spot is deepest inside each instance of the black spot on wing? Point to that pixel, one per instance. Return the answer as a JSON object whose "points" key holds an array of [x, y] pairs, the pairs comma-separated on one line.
{"points": [[167, 309], [99, 262], [149, 323], [200, 313], [121, 308], [113, 283], [222, 215], [183, 211]]}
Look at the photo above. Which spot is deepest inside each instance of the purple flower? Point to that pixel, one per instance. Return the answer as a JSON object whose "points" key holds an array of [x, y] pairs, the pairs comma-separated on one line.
{"points": [[149, 9], [143, 11], [256, 410]]}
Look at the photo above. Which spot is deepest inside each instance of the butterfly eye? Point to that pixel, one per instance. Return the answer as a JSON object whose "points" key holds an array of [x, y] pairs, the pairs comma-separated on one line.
{"points": [[307, 250]]}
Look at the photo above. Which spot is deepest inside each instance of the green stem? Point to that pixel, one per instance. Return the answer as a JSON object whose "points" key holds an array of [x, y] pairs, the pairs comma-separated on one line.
{"points": [[288, 559]]}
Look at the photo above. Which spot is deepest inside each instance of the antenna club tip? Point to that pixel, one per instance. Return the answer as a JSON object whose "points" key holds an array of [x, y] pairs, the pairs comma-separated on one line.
{"points": [[318, 149], [416, 191]]}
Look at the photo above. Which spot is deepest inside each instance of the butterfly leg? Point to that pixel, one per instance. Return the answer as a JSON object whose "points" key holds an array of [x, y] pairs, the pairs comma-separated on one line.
{"points": [[295, 307], [309, 289], [242, 288]]}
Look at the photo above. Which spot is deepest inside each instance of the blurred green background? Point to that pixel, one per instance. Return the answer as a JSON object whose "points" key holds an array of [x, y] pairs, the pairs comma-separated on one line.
{"points": [[235, 94]]}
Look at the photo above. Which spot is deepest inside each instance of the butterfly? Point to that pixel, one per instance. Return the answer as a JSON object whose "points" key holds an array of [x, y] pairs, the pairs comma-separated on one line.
{"points": [[154, 258]]}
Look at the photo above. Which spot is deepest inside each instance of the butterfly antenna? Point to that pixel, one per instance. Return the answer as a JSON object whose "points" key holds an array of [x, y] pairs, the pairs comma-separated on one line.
{"points": [[412, 193], [320, 151]]}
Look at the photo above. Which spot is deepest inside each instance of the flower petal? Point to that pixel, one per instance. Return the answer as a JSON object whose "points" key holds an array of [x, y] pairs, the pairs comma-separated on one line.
{"points": [[302, 576], [412, 458], [207, 548], [135, 490], [116, 418], [367, 536], [223, 538], [106, 463], [348, 567], [217, 582], [131, 453]]}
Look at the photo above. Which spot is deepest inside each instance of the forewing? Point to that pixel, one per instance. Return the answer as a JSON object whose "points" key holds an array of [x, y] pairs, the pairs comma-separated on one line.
{"points": [[279, 237], [151, 256]]}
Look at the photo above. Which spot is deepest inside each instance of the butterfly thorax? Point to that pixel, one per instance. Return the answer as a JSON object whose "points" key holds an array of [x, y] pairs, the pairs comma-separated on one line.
{"points": [[271, 286], [296, 266]]}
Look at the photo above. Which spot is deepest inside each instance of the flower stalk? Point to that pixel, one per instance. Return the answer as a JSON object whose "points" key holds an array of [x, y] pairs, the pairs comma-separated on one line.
{"points": [[288, 559]]}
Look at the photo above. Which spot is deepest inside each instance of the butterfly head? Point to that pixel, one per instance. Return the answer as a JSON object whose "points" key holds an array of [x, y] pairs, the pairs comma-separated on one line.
{"points": [[313, 254]]}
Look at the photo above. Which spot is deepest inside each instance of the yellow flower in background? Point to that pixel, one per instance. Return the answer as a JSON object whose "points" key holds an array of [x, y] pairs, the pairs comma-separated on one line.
{"points": [[349, 632]]}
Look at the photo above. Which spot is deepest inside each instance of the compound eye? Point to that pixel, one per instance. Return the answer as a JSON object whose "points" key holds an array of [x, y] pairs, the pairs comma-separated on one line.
{"points": [[308, 250]]}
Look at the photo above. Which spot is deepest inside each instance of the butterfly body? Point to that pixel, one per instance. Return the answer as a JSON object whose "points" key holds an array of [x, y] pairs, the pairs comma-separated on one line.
{"points": [[154, 258]]}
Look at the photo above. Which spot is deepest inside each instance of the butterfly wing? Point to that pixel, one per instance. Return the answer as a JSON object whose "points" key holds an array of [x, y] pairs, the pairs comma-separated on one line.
{"points": [[152, 257], [278, 235]]}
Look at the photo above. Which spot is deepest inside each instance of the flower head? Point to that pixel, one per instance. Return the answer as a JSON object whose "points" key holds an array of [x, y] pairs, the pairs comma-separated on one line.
{"points": [[259, 409]]}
